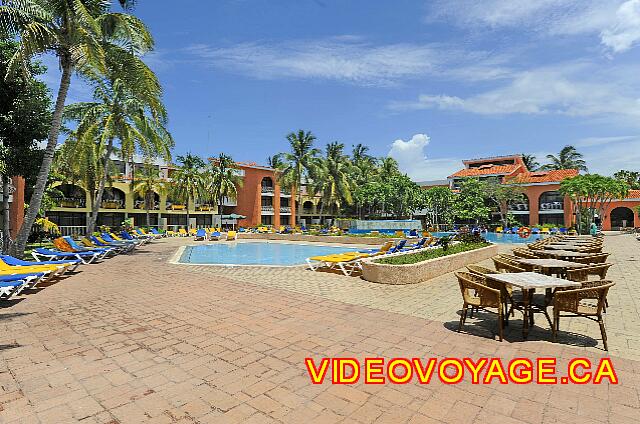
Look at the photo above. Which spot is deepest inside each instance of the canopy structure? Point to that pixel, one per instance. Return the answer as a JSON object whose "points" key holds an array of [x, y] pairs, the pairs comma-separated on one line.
{"points": [[232, 219]]}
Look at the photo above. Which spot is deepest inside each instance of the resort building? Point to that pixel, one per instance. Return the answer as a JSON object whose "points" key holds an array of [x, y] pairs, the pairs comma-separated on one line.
{"points": [[260, 200], [543, 204]]}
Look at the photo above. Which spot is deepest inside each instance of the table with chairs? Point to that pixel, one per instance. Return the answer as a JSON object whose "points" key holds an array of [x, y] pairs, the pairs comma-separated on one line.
{"points": [[565, 273]]}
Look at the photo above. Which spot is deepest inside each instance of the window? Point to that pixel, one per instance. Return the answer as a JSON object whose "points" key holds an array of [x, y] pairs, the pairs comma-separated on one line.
{"points": [[267, 220], [284, 220]]}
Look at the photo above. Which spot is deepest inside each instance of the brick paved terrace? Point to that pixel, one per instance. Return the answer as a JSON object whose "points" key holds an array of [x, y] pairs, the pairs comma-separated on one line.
{"points": [[138, 339]]}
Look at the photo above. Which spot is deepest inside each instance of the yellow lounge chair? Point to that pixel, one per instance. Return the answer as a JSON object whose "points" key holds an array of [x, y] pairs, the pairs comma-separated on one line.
{"points": [[545, 230], [231, 235], [182, 232], [347, 262], [499, 229]]}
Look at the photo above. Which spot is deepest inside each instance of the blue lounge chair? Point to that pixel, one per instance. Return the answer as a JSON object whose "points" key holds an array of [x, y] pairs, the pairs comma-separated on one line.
{"points": [[201, 234], [122, 247], [398, 247], [28, 280], [10, 260], [215, 235], [11, 286], [156, 232], [101, 251], [414, 234], [53, 255], [563, 230], [418, 245]]}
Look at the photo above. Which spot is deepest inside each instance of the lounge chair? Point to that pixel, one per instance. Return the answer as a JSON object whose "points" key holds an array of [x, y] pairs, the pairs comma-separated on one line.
{"points": [[398, 247], [499, 229], [76, 247], [11, 285], [41, 254], [69, 265], [90, 244], [215, 235], [231, 235], [182, 232], [30, 278], [121, 246], [200, 235], [382, 249], [62, 245], [413, 234], [346, 262], [156, 232]]}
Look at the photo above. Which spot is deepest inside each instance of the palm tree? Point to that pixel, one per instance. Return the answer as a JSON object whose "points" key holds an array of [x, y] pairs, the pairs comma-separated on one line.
{"points": [[331, 177], [77, 32], [224, 180], [188, 180], [128, 109], [148, 183], [295, 165], [569, 158], [530, 162], [388, 167]]}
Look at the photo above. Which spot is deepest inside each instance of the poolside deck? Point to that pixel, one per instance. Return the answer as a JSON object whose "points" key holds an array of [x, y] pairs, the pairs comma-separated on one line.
{"points": [[137, 339]]}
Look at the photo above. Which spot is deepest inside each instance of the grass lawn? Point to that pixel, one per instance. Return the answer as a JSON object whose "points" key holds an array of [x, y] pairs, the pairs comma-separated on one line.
{"points": [[426, 254]]}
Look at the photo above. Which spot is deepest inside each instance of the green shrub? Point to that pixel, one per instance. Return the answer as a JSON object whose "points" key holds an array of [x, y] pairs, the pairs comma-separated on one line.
{"points": [[426, 254]]}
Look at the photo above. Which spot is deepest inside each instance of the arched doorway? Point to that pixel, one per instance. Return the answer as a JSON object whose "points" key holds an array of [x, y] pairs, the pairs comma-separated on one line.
{"points": [[112, 198], [621, 217], [71, 196]]}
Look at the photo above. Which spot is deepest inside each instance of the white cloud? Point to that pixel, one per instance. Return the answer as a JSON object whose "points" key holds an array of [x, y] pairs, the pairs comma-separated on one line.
{"points": [[626, 31], [351, 59], [412, 159], [574, 89], [615, 21]]}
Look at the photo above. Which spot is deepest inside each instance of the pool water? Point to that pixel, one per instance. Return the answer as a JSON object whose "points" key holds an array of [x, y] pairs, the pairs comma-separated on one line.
{"points": [[501, 238], [256, 253]]}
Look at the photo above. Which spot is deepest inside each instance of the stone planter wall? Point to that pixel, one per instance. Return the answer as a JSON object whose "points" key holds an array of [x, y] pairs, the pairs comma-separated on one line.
{"points": [[376, 241], [425, 270]]}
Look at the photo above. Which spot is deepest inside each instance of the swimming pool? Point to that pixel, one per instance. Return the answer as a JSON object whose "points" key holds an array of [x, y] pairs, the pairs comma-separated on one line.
{"points": [[256, 253], [501, 238]]}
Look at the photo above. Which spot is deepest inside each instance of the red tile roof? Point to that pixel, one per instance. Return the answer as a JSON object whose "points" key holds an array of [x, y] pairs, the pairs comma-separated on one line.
{"points": [[544, 176], [486, 170], [633, 194]]}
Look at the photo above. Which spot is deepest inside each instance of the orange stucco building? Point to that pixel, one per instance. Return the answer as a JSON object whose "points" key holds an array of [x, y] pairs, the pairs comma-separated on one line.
{"points": [[543, 202], [261, 199]]}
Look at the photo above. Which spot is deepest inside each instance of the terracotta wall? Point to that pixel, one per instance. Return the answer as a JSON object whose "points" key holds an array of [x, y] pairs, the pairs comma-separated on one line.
{"points": [[631, 204], [534, 192], [250, 194], [16, 209]]}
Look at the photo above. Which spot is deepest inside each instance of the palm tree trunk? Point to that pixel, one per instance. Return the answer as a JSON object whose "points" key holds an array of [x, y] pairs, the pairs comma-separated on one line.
{"points": [[298, 209], [188, 228], [6, 236], [91, 225], [220, 206], [47, 159]]}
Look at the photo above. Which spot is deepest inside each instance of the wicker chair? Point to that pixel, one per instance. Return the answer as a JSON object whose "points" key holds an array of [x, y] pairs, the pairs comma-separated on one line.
{"points": [[477, 294], [569, 303], [592, 259], [582, 274], [528, 254], [480, 270], [504, 266], [591, 249]]}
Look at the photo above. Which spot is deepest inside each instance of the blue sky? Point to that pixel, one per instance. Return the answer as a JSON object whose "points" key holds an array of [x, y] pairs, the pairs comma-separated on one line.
{"points": [[427, 82]]}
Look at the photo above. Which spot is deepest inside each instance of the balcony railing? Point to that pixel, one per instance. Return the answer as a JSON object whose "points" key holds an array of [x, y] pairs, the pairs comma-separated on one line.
{"points": [[72, 202], [140, 204], [307, 211], [551, 206], [519, 207], [267, 190], [112, 204], [285, 209], [267, 208]]}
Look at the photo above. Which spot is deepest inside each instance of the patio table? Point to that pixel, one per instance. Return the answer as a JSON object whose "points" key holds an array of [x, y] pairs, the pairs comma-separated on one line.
{"points": [[528, 282], [571, 247], [563, 254], [551, 266]]}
